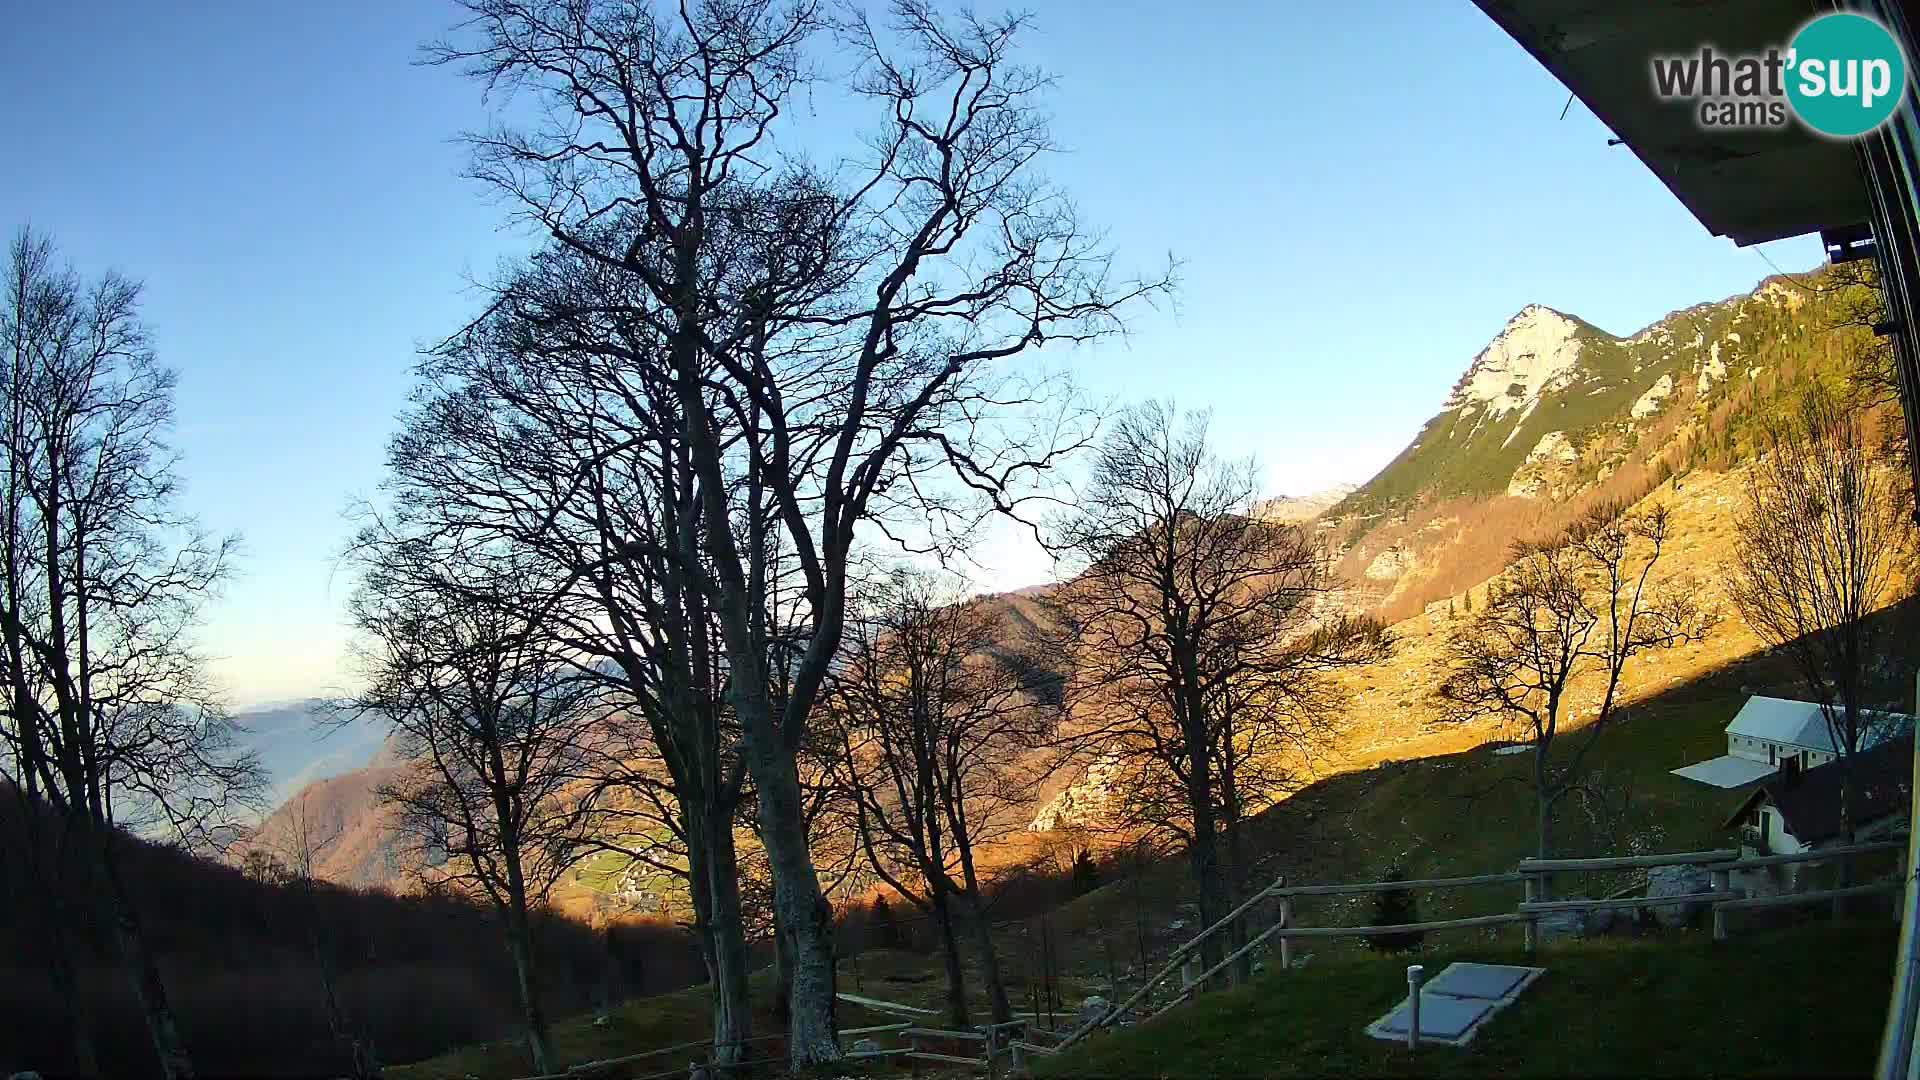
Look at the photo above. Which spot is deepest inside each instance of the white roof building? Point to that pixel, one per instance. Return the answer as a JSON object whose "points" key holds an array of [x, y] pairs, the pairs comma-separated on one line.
{"points": [[1769, 730], [1785, 724]]}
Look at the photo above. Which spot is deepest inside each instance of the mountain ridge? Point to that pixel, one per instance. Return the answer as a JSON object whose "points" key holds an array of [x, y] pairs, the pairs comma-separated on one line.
{"points": [[1549, 372]]}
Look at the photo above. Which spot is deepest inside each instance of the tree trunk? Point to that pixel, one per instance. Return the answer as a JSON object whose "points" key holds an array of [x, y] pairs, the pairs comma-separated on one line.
{"points": [[162, 1026], [1544, 798], [989, 957], [983, 936], [727, 942], [520, 942], [1236, 875], [520, 939], [1843, 867], [1203, 853], [950, 954], [1204, 857], [66, 982], [54, 873], [48, 863], [798, 905], [360, 1056], [782, 971]]}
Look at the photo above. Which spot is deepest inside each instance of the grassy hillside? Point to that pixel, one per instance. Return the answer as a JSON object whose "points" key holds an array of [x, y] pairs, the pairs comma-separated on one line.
{"points": [[1457, 813], [664, 1020], [1805, 1001]]}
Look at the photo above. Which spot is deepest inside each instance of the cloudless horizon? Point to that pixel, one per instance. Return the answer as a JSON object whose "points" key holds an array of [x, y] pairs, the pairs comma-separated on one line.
{"points": [[1359, 198]]}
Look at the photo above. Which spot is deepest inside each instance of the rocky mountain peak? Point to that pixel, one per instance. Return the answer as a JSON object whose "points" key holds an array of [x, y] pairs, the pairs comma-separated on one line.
{"points": [[1536, 348]]}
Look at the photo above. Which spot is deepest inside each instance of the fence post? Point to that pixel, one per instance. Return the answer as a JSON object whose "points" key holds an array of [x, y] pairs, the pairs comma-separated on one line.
{"points": [[1533, 919], [1286, 943], [1722, 884], [993, 1045], [1416, 974]]}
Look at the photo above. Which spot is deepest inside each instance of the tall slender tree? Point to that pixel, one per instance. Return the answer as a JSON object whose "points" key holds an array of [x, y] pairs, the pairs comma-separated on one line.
{"points": [[1200, 636], [496, 725], [545, 428], [109, 717], [831, 336], [937, 732]]}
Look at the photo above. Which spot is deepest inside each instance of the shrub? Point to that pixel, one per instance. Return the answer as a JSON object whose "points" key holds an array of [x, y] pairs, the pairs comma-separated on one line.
{"points": [[1395, 907]]}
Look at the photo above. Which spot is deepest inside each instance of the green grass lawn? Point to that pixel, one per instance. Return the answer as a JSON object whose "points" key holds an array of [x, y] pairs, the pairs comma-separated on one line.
{"points": [[649, 1022], [644, 1024], [1803, 1001]]}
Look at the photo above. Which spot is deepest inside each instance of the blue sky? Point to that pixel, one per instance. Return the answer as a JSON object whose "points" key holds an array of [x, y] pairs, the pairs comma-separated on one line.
{"points": [[1360, 197]]}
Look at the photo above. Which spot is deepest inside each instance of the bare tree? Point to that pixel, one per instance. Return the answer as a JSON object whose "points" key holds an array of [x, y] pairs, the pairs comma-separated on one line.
{"points": [[109, 717], [496, 725], [290, 857], [937, 734], [1201, 636], [1820, 543], [1581, 605], [546, 429], [832, 336]]}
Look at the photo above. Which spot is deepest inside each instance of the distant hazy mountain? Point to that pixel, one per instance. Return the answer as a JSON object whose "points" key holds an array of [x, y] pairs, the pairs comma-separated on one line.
{"points": [[297, 744]]}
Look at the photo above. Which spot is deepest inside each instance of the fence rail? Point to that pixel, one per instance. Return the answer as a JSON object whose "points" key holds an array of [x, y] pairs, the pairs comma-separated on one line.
{"points": [[1752, 862], [1019, 1040], [1397, 886], [1531, 867], [1795, 899], [1535, 875]]}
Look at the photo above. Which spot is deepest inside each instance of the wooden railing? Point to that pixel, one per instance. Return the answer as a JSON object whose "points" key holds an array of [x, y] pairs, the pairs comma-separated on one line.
{"points": [[1016, 1042], [1721, 865], [998, 1042], [1534, 875], [587, 1070]]}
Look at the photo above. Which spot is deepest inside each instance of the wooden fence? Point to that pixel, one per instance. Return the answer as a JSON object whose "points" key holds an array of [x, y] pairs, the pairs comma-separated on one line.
{"points": [[1016, 1042], [1535, 876]]}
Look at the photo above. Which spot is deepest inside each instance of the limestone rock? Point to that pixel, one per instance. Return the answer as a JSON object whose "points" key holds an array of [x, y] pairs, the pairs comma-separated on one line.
{"points": [[1538, 348], [1547, 464], [1677, 881], [1656, 396], [1389, 564]]}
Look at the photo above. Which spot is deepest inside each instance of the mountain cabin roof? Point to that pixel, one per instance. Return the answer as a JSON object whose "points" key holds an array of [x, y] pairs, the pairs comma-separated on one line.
{"points": [[1802, 725], [1749, 185], [1809, 799]]}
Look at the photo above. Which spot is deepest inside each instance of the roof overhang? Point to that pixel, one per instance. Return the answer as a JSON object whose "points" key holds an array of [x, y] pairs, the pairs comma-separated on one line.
{"points": [[1751, 186]]}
